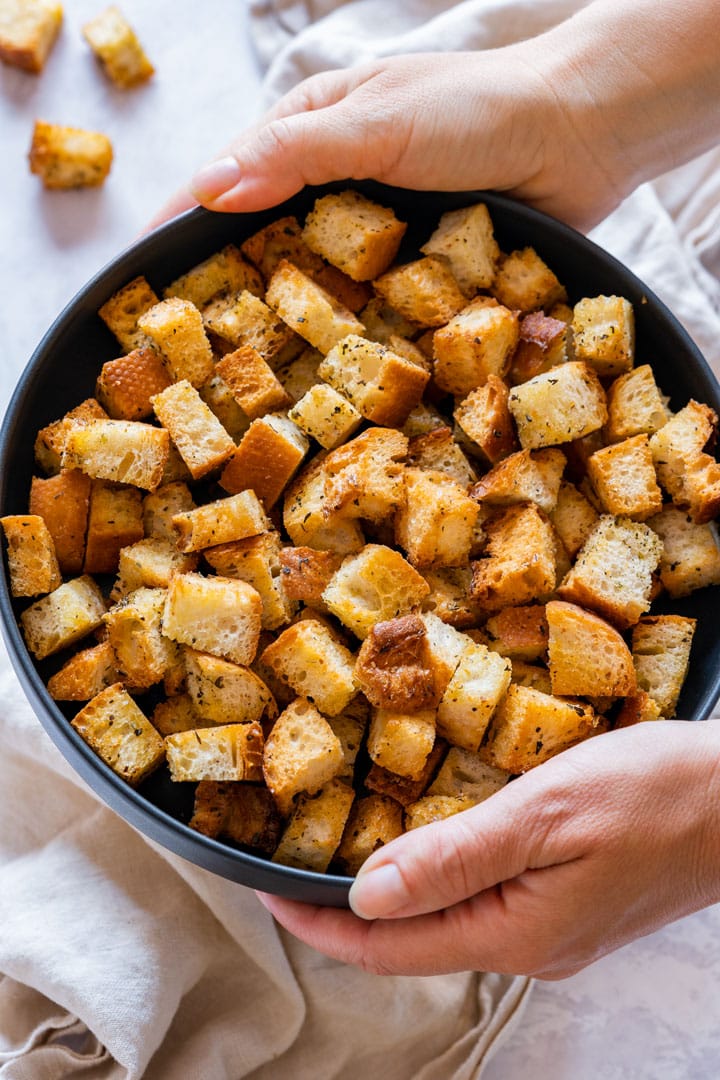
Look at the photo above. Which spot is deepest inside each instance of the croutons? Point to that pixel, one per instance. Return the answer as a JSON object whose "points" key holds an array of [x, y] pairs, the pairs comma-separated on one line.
{"points": [[372, 586], [69, 157], [437, 451], [257, 560], [526, 476], [383, 386], [226, 752], [242, 813], [690, 476], [117, 48], [523, 282], [635, 405], [220, 522], [604, 334], [315, 664], [315, 829], [114, 522], [176, 329], [306, 573], [623, 476], [484, 417], [529, 727], [357, 235], [394, 666], [400, 741], [463, 774], [124, 451], [202, 441], [435, 523], [374, 821], [85, 674], [326, 416], [121, 312], [66, 615], [690, 559], [126, 385], [269, 455], [520, 633], [223, 692], [476, 343], [143, 654], [586, 655], [120, 733], [518, 564], [28, 29], [542, 345], [302, 753], [424, 292], [31, 555], [472, 695], [661, 654], [222, 273], [558, 406], [466, 239], [310, 310], [221, 616], [252, 382], [574, 517]]}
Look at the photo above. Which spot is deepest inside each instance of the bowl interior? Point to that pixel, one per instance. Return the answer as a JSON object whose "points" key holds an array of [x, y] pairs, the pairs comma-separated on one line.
{"points": [[63, 370]]}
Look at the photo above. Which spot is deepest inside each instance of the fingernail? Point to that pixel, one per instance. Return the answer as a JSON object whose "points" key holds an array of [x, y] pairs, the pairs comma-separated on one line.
{"points": [[376, 894], [216, 178]]}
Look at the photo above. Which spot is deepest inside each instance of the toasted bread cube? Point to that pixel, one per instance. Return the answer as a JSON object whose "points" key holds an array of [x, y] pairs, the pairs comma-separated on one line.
{"points": [[523, 282], [435, 523], [520, 633], [307, 308], [177, 714], [350, 726], [142, 652], [424, 291], [586, 656], [437, 451], [542, 345], [61, 504], [463, 774], [383, 386], [309, 520], [64, 616], [223, 692], [302, 753], [232, 518], [529, 727], [374, 821], [202, 441], [574, 517], [226, 752], [326, 416], [257, 561], [691, 557], [382, 322], [604, 334], [218, 396], [315, 664], [32, 561], [114, 522], [28, 29], [252, 382], [614, 570], [637, 708], [483, 416], [269, 455], [372, 586], [242, 318], [126, 385], [472, 695], [300, 375], [313, 833], [532, 675], [661, 654], [240, 812], [281, 241], [85, 674], [364, 478], [50, 440], [690, 476], [401, 788], [305, 573], [623, 476], [117, 48], [217, 615], [445, 647], [449, 597], [526, 476], [222, 273], [478, 342], [120, 733], [394, 666], [161, 506], [176, 329], [519, 563], [121, 312], [69, 157], [432, 808], [558, 406], [401, 741], [124, 451], [635, 405], [358, 236], [149, 563], [465, 238]]}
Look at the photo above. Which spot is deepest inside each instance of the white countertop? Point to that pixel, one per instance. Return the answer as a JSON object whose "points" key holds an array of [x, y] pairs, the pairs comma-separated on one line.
{"points": [[650, 1011]]}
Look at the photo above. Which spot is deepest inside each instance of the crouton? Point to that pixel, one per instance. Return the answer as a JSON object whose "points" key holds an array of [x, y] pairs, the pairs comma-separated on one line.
{"points": [[401, 741], [483, 417], [216, 615], [301, 754], [364, 477], [533, 675], [372, 586], [350, 726], [308, 519], [223, 692], [401, 788], [463, 774], [445, 646], [529, 727], [220, 522], [623, 476], [472, 695], [222, 273], [117, 48], [114, 522], [543, 343], [226, 752], [523, 282], [125, 386], [244, 319], [422, 420], [382, 322], [305, 573], [161, 506], [300, 375], [424, 291], [242, 813], [526, 476], [252, 382], [520, 633], [393, 667], [219, 398], [202, 441], [518, 564], [355, 234], [176, 329], [85, 674], [119, 732], [177, 714], [374, 821], [280, 241], [604, 334], [435, 523], [124, 451], [477, 342], [574, 517], [269, 455], [437, 451], [150, 563], [313, 833], [637, 708], [326, 416], [690, 476], [121, 313], [32, 561], [690, 558], [383, 386], [28, 29], [466, 239], [315, 664], [449, 597], [635, 405], [613, 571], [257, 560], [661, 654], [142, 652], [558, 406], [50, 440], [432, 808], [586, 655], [308, 309], [69, 157]]}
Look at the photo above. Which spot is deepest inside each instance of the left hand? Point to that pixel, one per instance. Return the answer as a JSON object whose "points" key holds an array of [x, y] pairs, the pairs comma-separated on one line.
{"points": [[602, 844]]}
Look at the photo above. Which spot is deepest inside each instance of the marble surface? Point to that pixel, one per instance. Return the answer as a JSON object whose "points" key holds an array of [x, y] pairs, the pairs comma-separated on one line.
{"points": [[652, 1010]]}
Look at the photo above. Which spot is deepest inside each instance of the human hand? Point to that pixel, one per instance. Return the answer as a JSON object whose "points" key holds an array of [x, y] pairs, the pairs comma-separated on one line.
{"points": [[602, 844]]}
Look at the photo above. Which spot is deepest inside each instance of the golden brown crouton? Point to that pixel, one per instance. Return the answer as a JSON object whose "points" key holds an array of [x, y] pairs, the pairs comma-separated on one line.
{"points": [[269, 455], [223, 692], [216, 615], [401, 741], [149, 563], [382, 385], [220, 522], [372, 586], [635, 405], [690, 558], [472, 695], [435, 523], [393, 667], [160, 507], [243, 813], [558, 406], [526, 476], [69, 157], [32, 561], [117, 48], [225, 752], [374, 821], [690, 476], [326, 415], [315, 664], [121, 312], [50, 440], [529, 727], [177, 714], [542, 345], [126, 385], [623, 476], [432, 808], [401, 788], [465, 238], [85, 674], [523, 282], [449, 597], [464, 774], [124, 451], [242, 318], [306, 573], [437, 451], [257, 561], [176, 329], [604, 334], [661, 654], [353, 233], [586, 655], [518, 564], [637, 708], [252, 382], [143, 654], [521, 633], [476, 343], [224, 272], [574, 517], [120, 733], [114, 522], [424, 292], [313, 833], [315, 314], [302, 753], [202, 441], [28, 29]]}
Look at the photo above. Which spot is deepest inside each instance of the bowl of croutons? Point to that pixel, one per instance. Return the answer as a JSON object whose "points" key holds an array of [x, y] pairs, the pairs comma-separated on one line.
{"points": [[326, 522]]}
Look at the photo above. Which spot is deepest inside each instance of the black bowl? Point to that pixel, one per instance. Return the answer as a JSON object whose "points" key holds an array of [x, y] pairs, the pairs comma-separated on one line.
{"points": [[63, 370]]}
